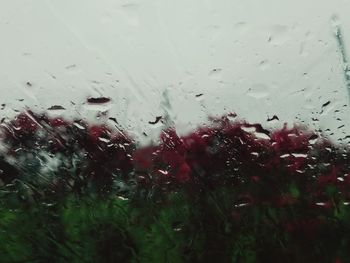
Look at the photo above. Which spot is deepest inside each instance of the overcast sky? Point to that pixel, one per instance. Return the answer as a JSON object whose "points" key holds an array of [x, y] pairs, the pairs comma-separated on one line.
{"points": [[256, 58]]}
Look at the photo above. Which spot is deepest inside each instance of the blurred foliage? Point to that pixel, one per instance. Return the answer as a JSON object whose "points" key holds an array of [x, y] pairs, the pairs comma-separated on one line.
{"points": [[228, 192]]}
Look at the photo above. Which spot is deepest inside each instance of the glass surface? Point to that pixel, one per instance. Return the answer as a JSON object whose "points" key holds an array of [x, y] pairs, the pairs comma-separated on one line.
{"points": [[174, 131]]}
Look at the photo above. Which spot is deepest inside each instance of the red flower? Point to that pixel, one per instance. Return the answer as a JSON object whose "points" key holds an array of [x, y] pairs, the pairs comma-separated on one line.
{"points": [[183, 174], [96, 133], [285, 200], [25, 124], [329, 179], [144, 158], [304, 228], [295, 140], [57, 122]]}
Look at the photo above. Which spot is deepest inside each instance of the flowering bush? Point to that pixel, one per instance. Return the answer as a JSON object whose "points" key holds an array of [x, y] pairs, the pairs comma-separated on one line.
{"points": [[229, 191]]}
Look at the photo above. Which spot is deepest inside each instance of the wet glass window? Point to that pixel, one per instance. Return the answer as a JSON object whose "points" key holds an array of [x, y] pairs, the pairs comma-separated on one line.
{"points": [[174, 131]]}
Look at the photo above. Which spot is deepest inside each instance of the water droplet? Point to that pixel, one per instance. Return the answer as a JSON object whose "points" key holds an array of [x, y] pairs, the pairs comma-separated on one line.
{"points": [[241, 27], [273, 118], [263, 65], [158, 118], [258, 91], [98, 100], [279, 35], [56, 107], [216, 73]]}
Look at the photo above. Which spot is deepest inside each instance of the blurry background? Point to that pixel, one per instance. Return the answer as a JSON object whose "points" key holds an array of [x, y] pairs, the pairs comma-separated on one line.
{"points": [[187, 59]]}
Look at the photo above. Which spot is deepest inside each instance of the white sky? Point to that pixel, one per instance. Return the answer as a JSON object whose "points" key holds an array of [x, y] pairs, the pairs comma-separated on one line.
{"points": [[256, 58]]}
